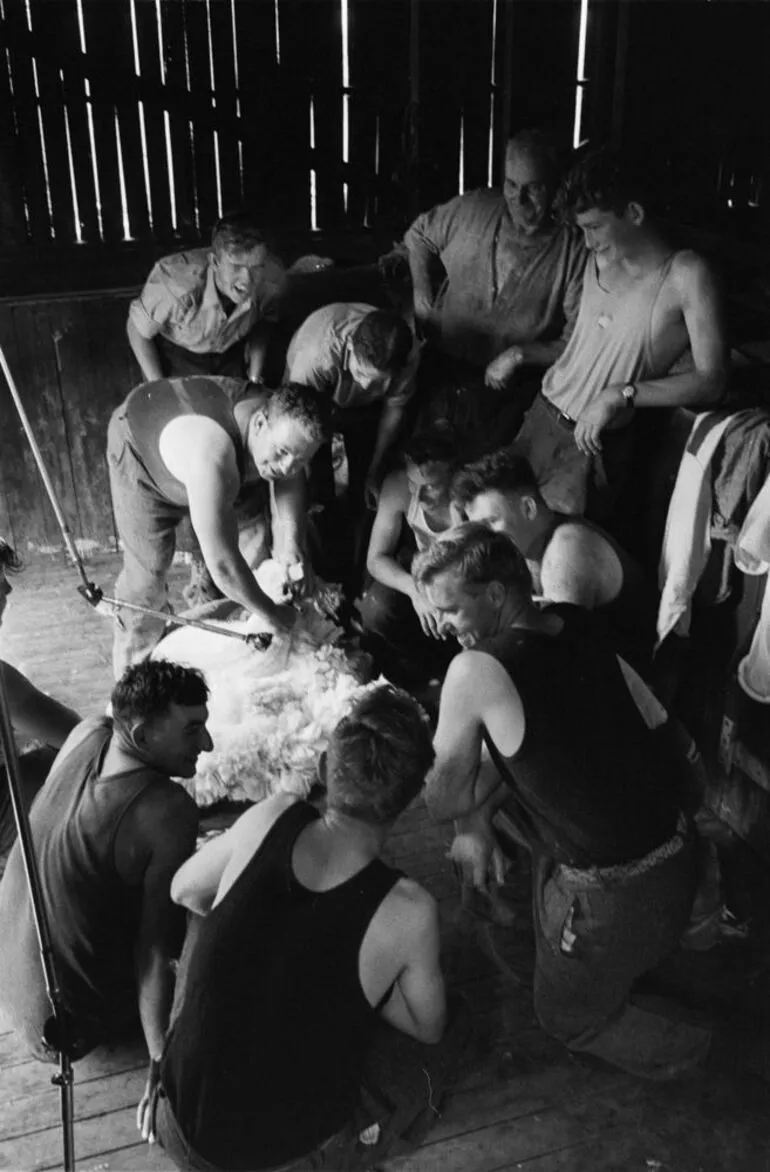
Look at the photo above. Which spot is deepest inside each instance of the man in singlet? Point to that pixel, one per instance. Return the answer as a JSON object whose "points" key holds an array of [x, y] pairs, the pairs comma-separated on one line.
{"points": [[643, 305], [536, 717], [414, 507], [110, 828], [223, 452], [40, 723], [315, 971], [570, 559]]}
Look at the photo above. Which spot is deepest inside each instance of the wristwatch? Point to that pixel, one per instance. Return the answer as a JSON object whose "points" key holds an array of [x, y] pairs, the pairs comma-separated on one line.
{"points": [[629, 393]]}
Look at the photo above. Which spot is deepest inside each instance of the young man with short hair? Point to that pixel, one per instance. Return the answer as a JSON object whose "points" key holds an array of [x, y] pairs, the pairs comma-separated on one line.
{"points": [[643, 304], [363, 360], [570, 559], [40, 723], [225, 452], [313, 1003], [109, 828], [536, 718], [208, 311]]}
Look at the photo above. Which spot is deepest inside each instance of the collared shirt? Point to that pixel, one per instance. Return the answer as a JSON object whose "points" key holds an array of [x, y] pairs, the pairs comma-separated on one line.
{"points": [[180, 302], [319, 357], [498, 288]]}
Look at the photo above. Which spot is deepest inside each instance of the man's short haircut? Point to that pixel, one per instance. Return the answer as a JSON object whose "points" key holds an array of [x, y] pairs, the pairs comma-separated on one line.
{"points": [[10, 562], [541, 148], [477, 556], [382, 340], [378, 756], [434, 445], [505, 471], [608, 181], [148, 689], [237, 232], [308, 407]]}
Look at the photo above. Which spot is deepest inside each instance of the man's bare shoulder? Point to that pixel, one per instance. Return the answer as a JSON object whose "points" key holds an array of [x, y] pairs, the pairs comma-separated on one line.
{"points": [[575, 539], [691, 272], [408, 909], [395, 489]]}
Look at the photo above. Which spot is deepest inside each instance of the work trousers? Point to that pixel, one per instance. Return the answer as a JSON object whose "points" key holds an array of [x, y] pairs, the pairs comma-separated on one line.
{"points": [[596, 932], [146, 524], [404, 1083], [178, 362], [570, 480]]}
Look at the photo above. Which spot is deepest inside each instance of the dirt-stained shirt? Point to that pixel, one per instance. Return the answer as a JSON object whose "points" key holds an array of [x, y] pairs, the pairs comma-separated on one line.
{"points": [[180, 302], [319, 357], [498, 288]]}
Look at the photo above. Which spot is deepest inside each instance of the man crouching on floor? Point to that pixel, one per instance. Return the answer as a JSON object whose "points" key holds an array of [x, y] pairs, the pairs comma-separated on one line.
{"points": [[312, 1025], [110, 828]]}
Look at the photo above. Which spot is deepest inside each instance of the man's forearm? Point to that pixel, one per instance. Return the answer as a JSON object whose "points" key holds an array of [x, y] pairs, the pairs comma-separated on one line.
{"points": [[541, 354], [289, 507], [145, 352], [155, 991], [690, 389], [390, 422], [422, 261], [388, 572], [236, 581], [258, 342]]}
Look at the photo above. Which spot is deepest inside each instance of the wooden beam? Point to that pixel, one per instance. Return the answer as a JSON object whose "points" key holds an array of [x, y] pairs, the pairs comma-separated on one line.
{"points": [[621, 64]]}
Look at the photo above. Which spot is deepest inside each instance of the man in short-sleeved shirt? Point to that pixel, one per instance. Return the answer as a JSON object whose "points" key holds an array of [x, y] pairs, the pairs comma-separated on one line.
{"points": [[208, 311], [361, 357]]}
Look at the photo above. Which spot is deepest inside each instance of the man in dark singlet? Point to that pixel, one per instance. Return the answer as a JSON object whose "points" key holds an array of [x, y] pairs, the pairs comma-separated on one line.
{"points": [[413, 509], [643, 304], [536, 717], [110, 828], [40, 723], [570, 559], [224, 452], [315, 972]]}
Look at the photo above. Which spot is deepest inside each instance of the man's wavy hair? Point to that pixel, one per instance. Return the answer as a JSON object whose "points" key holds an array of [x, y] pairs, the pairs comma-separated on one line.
{"points": [[477, 556], [505, 471], [541, 148], [306, 406], [382, 340], [10, 562], [147, 690], [378, 756], [605, 179], [435, 445], [237, 232]]}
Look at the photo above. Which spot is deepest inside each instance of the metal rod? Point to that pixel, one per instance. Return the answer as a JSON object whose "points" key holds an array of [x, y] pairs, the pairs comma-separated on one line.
{"points": [[262, 639], [69, 540], [15, 789]]}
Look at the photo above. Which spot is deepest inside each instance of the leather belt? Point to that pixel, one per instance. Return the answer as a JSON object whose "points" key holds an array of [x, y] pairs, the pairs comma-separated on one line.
{"points": [[554, 411]]}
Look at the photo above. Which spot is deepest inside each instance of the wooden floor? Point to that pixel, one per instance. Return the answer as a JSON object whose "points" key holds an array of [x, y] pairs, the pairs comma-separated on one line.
{"points": [[530, 1104]]}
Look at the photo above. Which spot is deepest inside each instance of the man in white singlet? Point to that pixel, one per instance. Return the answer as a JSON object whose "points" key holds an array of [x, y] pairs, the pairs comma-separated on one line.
{"points": [[643, 305]]}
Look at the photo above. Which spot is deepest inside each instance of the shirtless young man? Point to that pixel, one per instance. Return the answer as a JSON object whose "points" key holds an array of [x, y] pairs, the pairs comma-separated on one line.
{"points": [[643, 304], [570, 559], [314, 958], [221, 451]]}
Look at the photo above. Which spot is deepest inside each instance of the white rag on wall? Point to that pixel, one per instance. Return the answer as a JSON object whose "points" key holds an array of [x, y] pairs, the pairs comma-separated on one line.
{"points": [[687, 540], [752, 556]]}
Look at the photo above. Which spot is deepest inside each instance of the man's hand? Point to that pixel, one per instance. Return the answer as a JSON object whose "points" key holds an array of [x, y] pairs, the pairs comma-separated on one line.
{"points": [[425, 613], [148, 1105], [279, 621], [606, 407], [300, 578], [501, 370], [478, 857], [372, 486], [426, 318]]}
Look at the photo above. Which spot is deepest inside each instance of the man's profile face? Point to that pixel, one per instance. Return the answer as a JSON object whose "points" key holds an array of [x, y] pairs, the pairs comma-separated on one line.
{"points": [[175, 740], [502, 513], [5, 590], [465, 612], [607, 234], [368, 377], [429, 483], [281, 447], [527, 192], [240, 274]]}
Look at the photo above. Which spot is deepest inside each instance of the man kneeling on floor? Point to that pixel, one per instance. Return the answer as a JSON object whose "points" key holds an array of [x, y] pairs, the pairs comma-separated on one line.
{"points": [[312, 1027], [536, 718], [110, 828]]}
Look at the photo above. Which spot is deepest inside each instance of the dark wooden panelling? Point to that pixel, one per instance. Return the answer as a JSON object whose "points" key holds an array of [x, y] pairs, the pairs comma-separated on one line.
{"points": [[154, 122], [296, 84], [471, 69], [13, 226], [173, 27], [266, 183], [221, 22], [25, 105], [54, 134], [440, 104], [197, 41], [314, 40], [98, 24]]}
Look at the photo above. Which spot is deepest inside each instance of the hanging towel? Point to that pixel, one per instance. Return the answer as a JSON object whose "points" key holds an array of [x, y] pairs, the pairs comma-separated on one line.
{"points": [[752, 555], [687, 539]]}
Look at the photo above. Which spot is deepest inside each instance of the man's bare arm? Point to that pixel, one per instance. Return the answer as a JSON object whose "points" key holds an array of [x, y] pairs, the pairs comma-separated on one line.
{"points": [[256, 349], [289, 505], [145, 352], [417, 1005], [571, 571], [383, 544], [35, 715]]}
